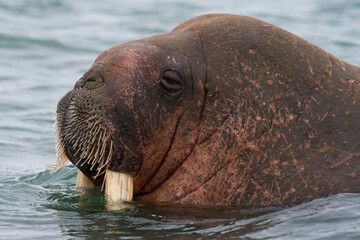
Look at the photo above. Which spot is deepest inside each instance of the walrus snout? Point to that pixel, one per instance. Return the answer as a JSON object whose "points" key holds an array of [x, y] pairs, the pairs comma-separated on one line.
{"points": [[84, 132], [92, 79]]}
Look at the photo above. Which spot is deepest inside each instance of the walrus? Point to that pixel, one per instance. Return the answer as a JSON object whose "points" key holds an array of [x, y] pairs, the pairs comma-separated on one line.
{"points": [[222, 110]]}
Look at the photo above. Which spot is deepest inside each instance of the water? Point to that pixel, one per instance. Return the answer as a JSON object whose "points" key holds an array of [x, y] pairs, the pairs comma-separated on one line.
{"points": [[46, 45]]}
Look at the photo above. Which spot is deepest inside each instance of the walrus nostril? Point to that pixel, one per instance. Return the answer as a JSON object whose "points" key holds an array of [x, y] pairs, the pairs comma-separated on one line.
{"points": [[89, 83], [90, 80], [93, 83]]}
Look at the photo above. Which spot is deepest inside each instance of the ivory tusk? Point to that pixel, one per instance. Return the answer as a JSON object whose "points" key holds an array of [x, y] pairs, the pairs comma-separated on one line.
{"points": [[83, 182], [118, 186]]}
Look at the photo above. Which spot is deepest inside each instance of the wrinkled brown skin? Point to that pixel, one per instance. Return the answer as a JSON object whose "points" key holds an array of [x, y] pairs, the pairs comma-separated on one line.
{"points": [[264, 117]]}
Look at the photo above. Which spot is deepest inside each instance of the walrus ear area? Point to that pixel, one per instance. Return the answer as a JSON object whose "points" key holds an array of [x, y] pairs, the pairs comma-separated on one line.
{"points": [[172, 83]]}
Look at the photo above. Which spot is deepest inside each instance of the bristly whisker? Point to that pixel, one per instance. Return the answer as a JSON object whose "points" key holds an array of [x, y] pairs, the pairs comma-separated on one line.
{"points": [[86, 135]]}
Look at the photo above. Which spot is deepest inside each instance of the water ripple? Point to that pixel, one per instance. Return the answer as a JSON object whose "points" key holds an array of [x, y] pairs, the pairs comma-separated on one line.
{"points": [[47, 45]]}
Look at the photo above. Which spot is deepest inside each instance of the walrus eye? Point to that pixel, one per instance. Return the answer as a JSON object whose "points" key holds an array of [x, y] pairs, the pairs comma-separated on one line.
{"points": [[171, 81]]}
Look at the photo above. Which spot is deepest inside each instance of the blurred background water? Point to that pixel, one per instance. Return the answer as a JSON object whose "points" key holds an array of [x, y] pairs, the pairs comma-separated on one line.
{"points": [[46, 45]]}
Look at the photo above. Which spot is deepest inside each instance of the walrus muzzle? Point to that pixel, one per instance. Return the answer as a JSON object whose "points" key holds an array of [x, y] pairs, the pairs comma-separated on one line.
{"points": [[83, 136]]}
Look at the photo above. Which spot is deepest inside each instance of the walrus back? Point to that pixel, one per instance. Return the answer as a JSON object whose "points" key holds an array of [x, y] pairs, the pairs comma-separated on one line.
{"points": [[296, 105]]}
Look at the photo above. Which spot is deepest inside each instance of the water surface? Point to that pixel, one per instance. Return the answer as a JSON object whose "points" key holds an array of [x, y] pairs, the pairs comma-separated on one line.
{"points": [[46, 45]]}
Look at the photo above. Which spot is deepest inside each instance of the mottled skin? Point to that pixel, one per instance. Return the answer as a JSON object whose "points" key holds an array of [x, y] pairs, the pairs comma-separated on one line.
{"points": [[263, 117]]}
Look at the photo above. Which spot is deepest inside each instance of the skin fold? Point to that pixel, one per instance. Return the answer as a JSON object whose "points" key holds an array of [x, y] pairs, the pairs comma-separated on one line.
{"points": [[223, 110]]}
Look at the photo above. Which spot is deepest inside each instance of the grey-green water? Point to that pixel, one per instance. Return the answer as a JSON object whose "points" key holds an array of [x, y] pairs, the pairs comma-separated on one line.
{"points": [[46, 45]]}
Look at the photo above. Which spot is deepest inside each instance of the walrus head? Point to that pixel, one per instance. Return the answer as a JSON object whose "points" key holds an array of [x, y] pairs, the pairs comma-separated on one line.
{"points": [[127, 112]]}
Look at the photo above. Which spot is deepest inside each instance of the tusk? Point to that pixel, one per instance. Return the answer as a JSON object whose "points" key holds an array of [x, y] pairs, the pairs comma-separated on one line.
{"points": [[118, 186], [83, 182]]}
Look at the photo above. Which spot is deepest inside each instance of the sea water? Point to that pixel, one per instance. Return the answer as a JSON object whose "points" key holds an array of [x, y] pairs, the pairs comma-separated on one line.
{"points": [[46, 45]]}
